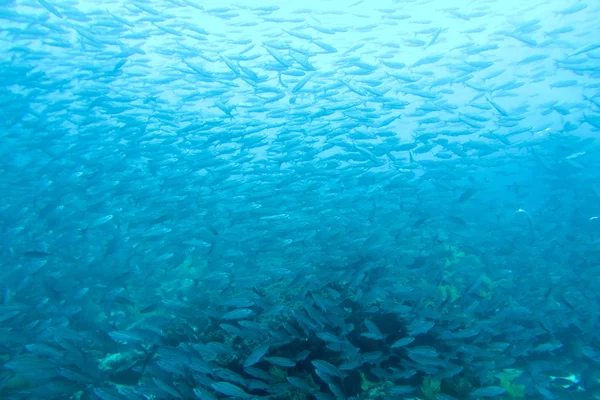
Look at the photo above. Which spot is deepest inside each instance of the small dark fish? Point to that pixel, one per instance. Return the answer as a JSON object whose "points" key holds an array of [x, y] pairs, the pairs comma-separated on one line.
{"points": [[229, 389], [488, 391], [74, 376], [467, 194], [36, 254], [50, 8], [403, 342], [401, 390], [256, 355], [239, 313], [150, 308], [300, 383], [456, 220], [5, 377], [280, 362], [420, 222]]}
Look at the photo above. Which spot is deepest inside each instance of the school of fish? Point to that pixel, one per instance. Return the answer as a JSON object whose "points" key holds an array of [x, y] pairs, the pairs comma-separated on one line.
{"points": [[390, 199]]}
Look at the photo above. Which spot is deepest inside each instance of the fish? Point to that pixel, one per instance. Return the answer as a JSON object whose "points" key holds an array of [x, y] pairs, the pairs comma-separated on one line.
{"points": [[403, 342], [488, 391], [239, 313], [50, 8], [252, 201], [229, 389], [468, 194], [36, 254]]}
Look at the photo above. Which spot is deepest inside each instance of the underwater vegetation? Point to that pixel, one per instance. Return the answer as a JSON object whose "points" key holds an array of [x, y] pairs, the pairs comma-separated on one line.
{"points": [[390, 199]]}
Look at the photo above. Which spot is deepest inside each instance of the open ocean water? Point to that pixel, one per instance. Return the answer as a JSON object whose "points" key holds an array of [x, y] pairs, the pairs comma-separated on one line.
{"points": [[372, 199]]}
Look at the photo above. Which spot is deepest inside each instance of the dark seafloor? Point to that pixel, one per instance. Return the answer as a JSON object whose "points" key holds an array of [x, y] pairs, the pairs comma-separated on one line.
{"points": [[299, 200]]}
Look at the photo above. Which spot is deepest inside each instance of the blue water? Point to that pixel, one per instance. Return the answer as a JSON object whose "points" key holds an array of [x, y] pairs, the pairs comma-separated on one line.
{"points": [[312, 200]]}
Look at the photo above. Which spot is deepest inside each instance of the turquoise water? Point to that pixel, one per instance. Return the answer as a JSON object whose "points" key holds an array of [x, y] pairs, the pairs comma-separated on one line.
{"points": [[313, 200]]}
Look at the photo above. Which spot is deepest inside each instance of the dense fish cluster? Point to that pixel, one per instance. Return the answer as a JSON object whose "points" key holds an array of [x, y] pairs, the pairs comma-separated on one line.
{"points": [[312, 200]]}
